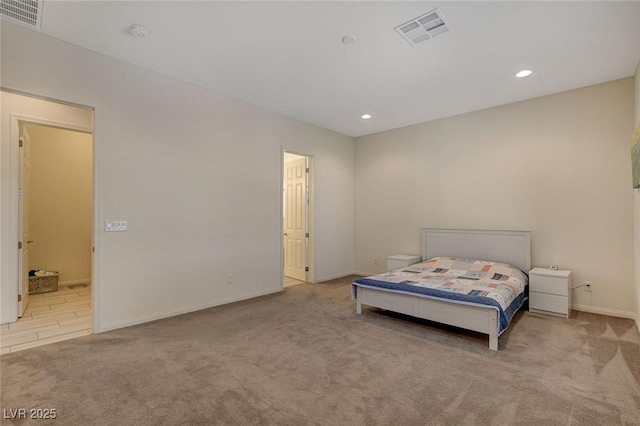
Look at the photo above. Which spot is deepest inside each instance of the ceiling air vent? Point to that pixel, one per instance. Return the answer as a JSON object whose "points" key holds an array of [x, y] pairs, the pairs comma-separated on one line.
{"points": [[24, 11], [424, 27]]}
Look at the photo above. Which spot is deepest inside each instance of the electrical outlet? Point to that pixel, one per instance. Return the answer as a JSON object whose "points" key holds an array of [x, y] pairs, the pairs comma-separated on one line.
{"points": [[588, 286], [229, 280], [375, 261]]}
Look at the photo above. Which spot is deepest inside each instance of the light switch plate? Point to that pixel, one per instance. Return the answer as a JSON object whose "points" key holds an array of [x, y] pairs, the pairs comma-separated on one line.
{"points": [[115, 226]]}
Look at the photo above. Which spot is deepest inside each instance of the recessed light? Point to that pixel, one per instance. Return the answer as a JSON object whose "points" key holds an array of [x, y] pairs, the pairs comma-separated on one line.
{"points": [[138, 30], [366, 116], [349, 39], [524, 73]]}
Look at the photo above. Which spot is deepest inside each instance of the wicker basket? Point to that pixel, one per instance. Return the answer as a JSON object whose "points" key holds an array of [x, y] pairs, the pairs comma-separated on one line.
{"points": [[43, 284]]}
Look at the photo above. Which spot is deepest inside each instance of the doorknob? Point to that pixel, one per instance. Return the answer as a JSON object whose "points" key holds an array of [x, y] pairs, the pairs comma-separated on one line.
{"points": [[285, 234], [30, 242]]}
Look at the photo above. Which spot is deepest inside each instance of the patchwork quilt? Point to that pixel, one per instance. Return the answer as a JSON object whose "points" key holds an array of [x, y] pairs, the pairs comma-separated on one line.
{"points": [[475, 282]]}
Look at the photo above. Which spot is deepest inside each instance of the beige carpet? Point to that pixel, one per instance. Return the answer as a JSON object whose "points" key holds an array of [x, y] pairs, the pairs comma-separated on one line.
{"points": [[304, 357]]}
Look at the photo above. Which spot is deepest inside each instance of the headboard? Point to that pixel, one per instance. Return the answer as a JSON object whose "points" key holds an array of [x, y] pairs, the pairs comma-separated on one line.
{"points": [[513, 247]]}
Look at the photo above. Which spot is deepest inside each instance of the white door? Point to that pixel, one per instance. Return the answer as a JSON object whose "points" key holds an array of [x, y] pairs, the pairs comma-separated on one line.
{"points": [[295, 219], [23, 217]]}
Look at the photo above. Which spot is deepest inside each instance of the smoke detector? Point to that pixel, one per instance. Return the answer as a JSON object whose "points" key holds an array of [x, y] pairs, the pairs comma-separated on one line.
{"points": [[27, 12], [424, 27]]}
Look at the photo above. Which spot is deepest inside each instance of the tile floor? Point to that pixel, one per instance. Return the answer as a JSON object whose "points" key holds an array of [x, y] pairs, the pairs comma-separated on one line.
{"points": [[49, 317], [289, 282]]}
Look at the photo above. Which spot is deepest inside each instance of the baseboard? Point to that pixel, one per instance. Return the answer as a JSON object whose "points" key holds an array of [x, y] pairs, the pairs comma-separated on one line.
{"points": [[605, 311], [334, 277], [365, 274], [74, 282], [185, 310]]}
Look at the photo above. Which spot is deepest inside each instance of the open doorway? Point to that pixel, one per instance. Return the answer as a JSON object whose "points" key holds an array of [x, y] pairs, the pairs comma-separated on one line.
{"points": [[54, 221], [296, 217]]}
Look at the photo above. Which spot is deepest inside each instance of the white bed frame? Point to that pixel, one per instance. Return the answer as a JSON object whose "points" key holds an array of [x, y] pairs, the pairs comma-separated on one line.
{"points": [[513, 247]]}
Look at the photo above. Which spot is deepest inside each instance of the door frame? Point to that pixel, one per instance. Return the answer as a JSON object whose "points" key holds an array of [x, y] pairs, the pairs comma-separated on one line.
{"points": [[25, 143], [12, 236], [310, 212]]}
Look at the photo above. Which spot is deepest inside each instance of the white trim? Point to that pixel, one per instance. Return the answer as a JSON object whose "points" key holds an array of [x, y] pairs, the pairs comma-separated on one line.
{"points": [[187, 309], [74, 282], [96, 294], [311, 253], [11, 235], [52, 123], [364, 274], [45, 98], [334, 277], [605, 311]]}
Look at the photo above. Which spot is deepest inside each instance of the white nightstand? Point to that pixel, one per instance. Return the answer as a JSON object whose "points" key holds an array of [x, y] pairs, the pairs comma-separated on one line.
{"points": [[550, 291], [401, 261]]}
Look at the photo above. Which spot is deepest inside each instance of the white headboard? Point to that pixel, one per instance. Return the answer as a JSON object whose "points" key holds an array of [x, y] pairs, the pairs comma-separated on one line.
{"points": [[513, 247]]}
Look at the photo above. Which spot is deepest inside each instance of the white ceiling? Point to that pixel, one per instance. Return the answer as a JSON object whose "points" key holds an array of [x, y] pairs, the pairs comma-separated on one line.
{"points": [[287, 56]]}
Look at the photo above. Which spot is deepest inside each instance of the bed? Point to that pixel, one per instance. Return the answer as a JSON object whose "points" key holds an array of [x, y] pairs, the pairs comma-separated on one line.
{"points": [[447, 246]]}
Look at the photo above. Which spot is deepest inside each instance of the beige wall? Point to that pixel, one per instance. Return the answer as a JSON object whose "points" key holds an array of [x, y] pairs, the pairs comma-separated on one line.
{"points": [[556, 165], [198, 177], [60, 202]]}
